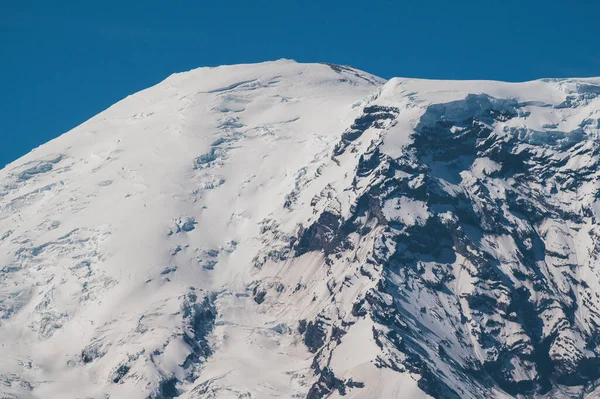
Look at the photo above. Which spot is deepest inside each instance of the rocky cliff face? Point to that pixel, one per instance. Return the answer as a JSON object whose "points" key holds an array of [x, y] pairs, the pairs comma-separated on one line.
{"points": [[478, 259], [289, 230]]}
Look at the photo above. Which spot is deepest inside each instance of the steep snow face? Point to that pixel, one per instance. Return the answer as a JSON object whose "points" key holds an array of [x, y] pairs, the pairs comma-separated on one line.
{"points": [[309, 231]]}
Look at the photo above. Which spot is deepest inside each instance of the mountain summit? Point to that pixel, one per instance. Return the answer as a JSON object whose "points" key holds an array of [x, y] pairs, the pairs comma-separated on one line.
{"points": [[309, 231]]}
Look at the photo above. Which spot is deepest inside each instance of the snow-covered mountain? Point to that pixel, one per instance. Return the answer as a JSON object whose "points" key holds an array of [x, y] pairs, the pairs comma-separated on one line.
{"points": [[309, 231]]}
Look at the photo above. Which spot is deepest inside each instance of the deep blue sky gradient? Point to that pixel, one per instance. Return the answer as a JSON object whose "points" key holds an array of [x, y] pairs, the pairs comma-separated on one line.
{"points": [[62, 62]]}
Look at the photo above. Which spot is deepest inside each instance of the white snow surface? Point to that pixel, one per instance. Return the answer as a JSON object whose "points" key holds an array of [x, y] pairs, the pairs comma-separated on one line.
{"points": [[112, 232]]}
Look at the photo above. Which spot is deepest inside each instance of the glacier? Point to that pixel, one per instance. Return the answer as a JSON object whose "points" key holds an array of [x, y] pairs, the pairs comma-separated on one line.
{"points": [[309, 231]]}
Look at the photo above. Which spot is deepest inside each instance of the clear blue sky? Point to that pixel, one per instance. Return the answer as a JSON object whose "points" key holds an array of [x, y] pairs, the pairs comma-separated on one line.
{"points": [[62, 62]]}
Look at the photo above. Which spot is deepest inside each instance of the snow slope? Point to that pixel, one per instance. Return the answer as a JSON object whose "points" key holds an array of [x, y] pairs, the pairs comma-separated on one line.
{"points": [[308, 230]]}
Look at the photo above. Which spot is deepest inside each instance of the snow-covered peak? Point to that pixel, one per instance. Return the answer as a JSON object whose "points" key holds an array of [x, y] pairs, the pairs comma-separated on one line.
{"points": [[307, 230]]}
